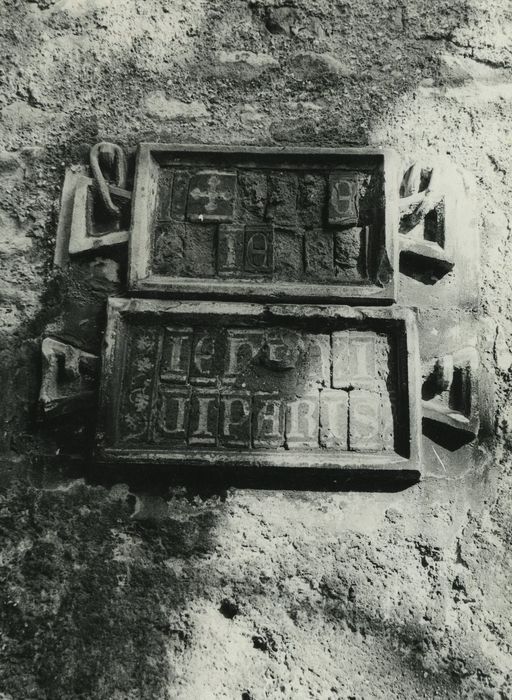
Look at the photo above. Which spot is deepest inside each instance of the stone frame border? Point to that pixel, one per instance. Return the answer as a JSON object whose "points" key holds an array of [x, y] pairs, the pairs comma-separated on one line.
{"points": [[142, 282], [121, 308]]}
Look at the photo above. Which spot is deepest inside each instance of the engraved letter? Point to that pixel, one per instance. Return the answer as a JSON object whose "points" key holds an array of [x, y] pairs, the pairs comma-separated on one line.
{"points": [[204, 413], [302, 422], [175, 354], [243, 346], [235, 419], [268, 421]]}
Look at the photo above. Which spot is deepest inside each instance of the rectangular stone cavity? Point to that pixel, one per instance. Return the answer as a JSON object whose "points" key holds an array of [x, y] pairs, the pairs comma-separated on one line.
{"points": [[305, 223], [219, 383]]}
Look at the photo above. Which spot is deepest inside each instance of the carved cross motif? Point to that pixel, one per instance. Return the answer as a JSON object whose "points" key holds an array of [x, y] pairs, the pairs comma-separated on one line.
{"points": [[213, 193], [211, 196]]}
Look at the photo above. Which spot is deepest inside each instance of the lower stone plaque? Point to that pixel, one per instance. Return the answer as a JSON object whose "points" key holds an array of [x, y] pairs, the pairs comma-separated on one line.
{"points": [[260, 385]]}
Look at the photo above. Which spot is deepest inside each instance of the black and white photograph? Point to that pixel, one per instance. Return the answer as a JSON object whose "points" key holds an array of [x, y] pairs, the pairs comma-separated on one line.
{"points": [[256, 349]]}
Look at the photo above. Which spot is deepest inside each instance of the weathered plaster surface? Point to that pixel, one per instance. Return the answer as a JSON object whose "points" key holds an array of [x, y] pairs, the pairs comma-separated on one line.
{"points": [[124, 588]]}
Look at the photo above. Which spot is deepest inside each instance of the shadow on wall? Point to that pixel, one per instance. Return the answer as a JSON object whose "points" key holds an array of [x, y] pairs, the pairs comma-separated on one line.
{"points": [[89, 590]]}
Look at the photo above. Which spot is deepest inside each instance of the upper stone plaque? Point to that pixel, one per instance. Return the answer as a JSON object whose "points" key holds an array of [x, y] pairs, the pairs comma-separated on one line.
{"points": [[265, 223]]}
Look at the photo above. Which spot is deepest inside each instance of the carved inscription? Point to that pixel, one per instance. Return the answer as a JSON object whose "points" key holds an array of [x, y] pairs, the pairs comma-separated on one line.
{"points": [[264, 208], [269, 218], [267, 388]]}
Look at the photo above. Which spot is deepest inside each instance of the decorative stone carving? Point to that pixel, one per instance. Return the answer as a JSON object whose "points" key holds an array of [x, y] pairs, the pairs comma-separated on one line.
{"points": [[422, 229], [226, 382], [69, 377], [95, 212], [450, 391], [439, 244], [304, 223], [221, 383]]}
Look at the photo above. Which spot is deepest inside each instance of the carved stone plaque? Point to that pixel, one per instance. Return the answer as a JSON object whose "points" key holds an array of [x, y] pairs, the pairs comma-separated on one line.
{"points": [[265, 223], [248, 384]]}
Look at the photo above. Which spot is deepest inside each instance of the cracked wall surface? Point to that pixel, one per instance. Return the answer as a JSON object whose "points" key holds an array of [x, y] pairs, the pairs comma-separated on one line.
{"points": [[121, 586]]}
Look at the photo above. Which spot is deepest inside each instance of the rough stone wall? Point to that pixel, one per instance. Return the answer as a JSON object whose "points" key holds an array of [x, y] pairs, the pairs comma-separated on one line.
{"points": [[117, 589]]}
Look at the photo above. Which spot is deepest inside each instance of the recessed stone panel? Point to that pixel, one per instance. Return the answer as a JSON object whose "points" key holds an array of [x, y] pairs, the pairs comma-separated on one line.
{"points": [[249, 384], [308, 223]]}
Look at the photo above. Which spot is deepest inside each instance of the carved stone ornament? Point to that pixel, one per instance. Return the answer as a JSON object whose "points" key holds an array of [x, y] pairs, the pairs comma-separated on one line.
{"points": [[69, 376], [252, 385], [369, 364], [95, 211], [449, 391], [265, 223]]}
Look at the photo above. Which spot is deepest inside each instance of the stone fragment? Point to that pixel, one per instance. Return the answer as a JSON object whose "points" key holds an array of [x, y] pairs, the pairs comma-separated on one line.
{"points": [[289, 253], [302, 422], [165, 193], [211, 196], [259, 248], [67, 198], [350, 253], [11, 167], [309, 65], [180, 187], [252, 194], [365, 432], [282, 198], [314, 370], [353, 359], [312, 200], [158, 106], [69, 378], [281, 20], [422, 234], [243, 65], [319, 254], [235, 419], [334, 419], [268, 421], [184, 250], [450, 389]]}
